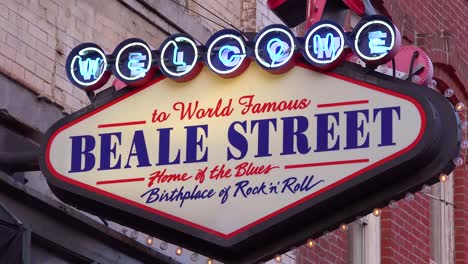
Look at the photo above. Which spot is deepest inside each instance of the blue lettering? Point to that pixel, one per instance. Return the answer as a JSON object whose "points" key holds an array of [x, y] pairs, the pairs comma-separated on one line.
{"points": [[323, 131], [245, 191], [139, 150], [177, 195], [277, 50], [230, 56], [136, 65], [386, 122], [237, 140], [107, 150], [353, 128], [376, 42], [164, 148], [193, 142], [263, 135], [178, 58], [90, 67], [153, 195], [82, 147], [306, 185], [326, 47], [290, 133]]}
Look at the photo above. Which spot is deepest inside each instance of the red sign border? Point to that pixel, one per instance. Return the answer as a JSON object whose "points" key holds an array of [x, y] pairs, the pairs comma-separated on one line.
{"points": [[279, 211]]}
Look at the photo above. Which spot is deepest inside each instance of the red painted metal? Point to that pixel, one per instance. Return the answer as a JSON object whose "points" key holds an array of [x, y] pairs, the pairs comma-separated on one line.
{"points": [[314, 11], [356, 5]]}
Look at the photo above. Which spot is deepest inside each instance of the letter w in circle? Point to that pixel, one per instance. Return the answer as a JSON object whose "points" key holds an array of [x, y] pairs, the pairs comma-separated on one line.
{"points": [[326, 47]]}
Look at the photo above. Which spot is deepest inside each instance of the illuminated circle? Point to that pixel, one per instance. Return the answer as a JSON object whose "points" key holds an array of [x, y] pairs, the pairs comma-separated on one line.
{"points": [[87, 66], [179, 57], [383, 42], [324, 44], [133, 61], [274, 47], [226, 53]]}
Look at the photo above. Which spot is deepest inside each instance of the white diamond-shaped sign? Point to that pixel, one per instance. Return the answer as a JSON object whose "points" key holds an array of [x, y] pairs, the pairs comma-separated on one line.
{"points": [[226, 159]]}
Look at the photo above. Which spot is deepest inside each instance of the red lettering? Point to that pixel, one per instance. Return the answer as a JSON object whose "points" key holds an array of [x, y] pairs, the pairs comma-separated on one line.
{"points": [[162, 177], [256, 108], [159, 117], [220, 172], [192, 109], [249, 169]]}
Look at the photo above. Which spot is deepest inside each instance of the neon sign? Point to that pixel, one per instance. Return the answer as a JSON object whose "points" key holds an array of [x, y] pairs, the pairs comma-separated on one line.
{"points": [[324, 44], [90, 67], [228, 53], [274, 48], [134, 60], [230, 56], [288, 151], [376, 41], [136, 64], [179, 57], [87, 66], [220, 166]]}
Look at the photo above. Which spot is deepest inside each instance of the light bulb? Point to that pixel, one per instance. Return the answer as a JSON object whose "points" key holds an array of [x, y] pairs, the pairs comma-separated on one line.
{"points": [[464, 126], [178, 251], [409, 197], [459, 107], [194, 257], [426, 189], [458, 161], [149, 240], [448, 93], [278, 259], [443, 177], [464, 144], [163, 245], [377, 212], [209, 261], [344, 227], [393, 204], [134, 234], [415, 78], [310, 243]]}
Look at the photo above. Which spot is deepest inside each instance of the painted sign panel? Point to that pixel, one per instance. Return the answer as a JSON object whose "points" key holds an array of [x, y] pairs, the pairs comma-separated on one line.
{"points": [[220, 164]]}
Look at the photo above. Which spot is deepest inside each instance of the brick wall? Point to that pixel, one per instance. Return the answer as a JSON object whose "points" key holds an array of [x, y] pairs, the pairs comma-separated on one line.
{"points": [[229, 10], [330, 248], [37, 35], [264, 15], [247, 15], [406, 233], [438, 27]]}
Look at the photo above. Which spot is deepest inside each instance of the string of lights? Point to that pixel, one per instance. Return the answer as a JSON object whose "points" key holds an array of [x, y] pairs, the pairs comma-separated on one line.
{"points": [[377, 212]]}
